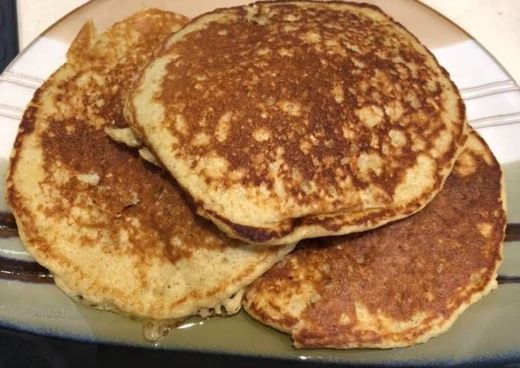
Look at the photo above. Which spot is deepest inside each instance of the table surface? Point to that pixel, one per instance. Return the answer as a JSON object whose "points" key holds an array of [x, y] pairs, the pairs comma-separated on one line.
{"points": [[494, 23]]}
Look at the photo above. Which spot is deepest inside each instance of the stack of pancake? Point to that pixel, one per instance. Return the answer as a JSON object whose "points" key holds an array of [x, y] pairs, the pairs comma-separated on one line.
{"points": [[168, 165]]}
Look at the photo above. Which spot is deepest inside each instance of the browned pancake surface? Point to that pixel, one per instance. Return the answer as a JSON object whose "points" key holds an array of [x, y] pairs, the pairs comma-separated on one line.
{"points": [[115, 231], [397, 285], [298, 119]]}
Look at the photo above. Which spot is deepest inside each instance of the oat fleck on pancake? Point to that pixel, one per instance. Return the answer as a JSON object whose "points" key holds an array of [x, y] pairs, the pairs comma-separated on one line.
{"points": [[400, 284], [116, 232], [289, 120]]}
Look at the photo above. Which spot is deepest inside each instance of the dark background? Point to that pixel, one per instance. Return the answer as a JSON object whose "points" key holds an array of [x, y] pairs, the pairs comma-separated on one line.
{"points": [[21, 350], [8, 32]]}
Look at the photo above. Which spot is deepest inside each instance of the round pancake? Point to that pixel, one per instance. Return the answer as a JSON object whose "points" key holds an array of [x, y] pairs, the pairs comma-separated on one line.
{"points": [[400, 284], [290, 120], [115, 231]]}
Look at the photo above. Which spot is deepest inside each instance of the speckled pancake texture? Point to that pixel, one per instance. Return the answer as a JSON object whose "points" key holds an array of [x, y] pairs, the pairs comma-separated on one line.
{"points": [[289, 120], [400, 284], [116, 232]]}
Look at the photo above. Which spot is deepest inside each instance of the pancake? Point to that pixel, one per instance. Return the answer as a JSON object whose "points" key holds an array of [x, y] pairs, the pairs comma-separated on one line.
{"points": [[290, 120], [116, 232], [400, 284]]}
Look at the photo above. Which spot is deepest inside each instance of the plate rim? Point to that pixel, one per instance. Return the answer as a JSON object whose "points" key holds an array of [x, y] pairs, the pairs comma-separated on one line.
{"points": [[89, 3], [501, 358]]}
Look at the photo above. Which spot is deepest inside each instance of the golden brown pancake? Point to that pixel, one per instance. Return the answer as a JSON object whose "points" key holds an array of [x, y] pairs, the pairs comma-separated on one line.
{"points": [[289, 120], [400, 284], [116, 232]]}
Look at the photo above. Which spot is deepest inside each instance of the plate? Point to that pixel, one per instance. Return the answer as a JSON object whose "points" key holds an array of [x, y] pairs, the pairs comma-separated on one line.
{"points": [[487, 332]]}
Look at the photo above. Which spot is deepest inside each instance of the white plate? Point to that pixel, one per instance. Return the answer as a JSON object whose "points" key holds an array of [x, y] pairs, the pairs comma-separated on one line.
{"points": [[488, 331]]}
